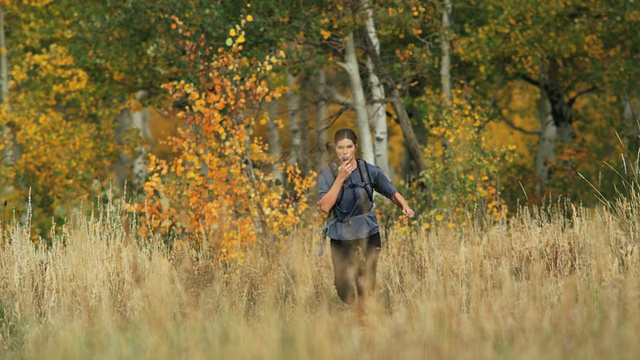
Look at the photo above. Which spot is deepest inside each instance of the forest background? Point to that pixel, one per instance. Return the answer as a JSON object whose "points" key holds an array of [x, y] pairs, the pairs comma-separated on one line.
{"points": [[158, 166], [216, 114]]}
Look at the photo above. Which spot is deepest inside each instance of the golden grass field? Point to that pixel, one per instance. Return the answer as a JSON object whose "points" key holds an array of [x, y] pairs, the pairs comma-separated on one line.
{"points": [[556, 283]]}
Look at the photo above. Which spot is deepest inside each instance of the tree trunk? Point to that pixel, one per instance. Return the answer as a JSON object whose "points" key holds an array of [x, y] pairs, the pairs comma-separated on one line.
{"points": [[561, 109], [445, 64], [359, 103], [273, 133], [138, 120], [412, 143], [321, 121], [4, 64], [304, 153], [631, 139], [9, 152], [294, 120], [548, 134], [445, 82], [377, 109]]}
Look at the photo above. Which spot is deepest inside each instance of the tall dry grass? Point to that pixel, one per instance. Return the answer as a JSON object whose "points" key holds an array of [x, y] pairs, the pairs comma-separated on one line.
{"points": [[559, 282]]}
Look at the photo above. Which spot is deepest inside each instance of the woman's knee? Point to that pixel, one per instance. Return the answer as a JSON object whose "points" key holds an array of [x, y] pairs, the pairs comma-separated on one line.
{"points": [[345, 284]]}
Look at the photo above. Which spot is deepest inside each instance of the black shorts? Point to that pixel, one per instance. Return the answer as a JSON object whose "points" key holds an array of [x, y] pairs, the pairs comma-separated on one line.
{"points": [[373, 242]]}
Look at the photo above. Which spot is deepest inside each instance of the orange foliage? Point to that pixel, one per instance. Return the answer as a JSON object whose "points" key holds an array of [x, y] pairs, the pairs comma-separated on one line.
{"points": [[218, 193]]}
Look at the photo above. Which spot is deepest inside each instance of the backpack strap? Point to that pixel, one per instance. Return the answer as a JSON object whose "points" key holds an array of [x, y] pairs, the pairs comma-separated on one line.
{"points": [[364, 175], [365, 183], [366, 178], [334, 172]]}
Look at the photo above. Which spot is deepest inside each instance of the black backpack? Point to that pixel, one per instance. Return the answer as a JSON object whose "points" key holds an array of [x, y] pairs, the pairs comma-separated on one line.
{"points": [[366, 184], [333, 215]]}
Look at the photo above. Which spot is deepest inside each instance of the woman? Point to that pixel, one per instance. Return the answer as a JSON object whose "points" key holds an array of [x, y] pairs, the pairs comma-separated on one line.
{"points": [[345, 194]]}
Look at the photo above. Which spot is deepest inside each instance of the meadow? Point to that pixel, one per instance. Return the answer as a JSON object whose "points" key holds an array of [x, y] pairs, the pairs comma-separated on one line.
{"points": [[559, 282]]}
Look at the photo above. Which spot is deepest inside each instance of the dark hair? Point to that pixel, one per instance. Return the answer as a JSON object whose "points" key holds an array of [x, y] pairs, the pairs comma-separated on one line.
{"points": [[345, 134]]}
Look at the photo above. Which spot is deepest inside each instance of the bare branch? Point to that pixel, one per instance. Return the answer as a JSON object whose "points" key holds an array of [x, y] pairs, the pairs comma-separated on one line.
{"points": [[516, 127], [530, 80], [343, 66], [575, 97], [339, 98], [331, 119]]}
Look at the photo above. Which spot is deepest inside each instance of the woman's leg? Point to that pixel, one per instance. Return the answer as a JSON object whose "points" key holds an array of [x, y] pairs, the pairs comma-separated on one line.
{"points": [[354, 266], [344, 255], [372, 253]]}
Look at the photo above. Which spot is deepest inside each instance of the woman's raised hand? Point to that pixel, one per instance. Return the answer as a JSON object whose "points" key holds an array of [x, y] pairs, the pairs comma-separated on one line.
{"points": [[345, 170]]}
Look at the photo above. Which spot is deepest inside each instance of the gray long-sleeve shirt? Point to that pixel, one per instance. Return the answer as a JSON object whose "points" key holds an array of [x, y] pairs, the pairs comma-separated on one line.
{"points": [[354, 199]]}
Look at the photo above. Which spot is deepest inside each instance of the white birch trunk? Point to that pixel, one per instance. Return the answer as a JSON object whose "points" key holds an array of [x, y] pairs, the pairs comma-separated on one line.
{"points": [[273, 133], [445, 80], [4, 64], [445, 63], [377, 109], [412, 144], [12, 152], [359, 103], [321, 121], [304, 154], [566, 134], [548, 135], [139, 120], [294, 120], [9, 152]]}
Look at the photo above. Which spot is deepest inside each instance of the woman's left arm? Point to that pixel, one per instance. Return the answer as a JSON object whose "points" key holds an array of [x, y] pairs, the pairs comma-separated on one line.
{"points": [[399, 200], [382, 184]]}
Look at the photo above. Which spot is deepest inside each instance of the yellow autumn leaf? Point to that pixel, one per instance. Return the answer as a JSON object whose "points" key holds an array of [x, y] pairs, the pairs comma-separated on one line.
{"points": [[325, 34], [241, 39], [249, 18], [232, 32]]}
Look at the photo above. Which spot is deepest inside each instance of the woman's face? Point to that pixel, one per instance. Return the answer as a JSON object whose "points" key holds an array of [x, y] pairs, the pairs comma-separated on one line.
{"points": [[345, 148]]}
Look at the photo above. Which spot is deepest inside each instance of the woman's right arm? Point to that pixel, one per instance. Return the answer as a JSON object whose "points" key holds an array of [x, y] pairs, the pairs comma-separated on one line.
{"points": [[329, 199]]}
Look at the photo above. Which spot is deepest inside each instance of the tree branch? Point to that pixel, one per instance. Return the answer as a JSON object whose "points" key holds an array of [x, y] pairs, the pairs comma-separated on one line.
{"points": [[331, 119], [512, 125], [575, 97], [343, 66], [339, 98], [530, 80]]}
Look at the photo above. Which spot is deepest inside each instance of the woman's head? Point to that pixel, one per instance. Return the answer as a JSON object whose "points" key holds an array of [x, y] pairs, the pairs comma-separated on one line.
{"points": [[346, 143], [345, 134]]}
